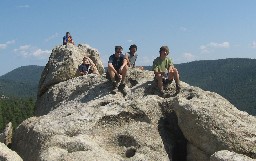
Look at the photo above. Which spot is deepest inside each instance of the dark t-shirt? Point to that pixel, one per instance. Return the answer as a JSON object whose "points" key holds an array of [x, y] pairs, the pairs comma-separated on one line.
{"points": [[84, 68], [116, 62]]}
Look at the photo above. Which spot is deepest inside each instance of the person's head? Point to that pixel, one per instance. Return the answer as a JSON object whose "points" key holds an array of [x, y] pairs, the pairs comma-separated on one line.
{"points": [[118, 50], [86, 60], [133, 48], [67, 33], [164, 50]]}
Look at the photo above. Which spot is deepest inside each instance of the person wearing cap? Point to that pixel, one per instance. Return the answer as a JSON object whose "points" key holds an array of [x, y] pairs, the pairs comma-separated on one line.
{"points": [[117, 68], [163, 65]]}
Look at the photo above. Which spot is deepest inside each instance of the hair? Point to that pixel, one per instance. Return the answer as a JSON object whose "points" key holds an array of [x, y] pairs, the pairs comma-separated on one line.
{"points": [[133, 46], [118, 47], [67, 33], [164, 48]]}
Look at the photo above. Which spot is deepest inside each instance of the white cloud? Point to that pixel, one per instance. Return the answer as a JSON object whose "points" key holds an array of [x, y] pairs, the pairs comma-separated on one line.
{"points": [[211, 46], [129, 41], [23, 50], [41, 53], [23, 6], [188, 56], [29, 51], [5, 45], [52, 37], [253, 45]]}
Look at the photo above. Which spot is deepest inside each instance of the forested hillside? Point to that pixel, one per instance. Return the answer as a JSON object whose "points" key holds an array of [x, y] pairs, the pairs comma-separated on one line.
{"points": [[18, 90], [15, 110], [21, 82]]}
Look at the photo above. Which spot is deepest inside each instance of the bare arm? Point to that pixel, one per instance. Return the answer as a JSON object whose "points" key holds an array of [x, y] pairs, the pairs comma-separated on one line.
{"points": [[125, 62]]}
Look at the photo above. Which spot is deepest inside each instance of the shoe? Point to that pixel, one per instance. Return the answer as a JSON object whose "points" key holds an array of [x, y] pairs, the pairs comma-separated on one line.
{"points": [[121, 86], [169, 81], [114, 85], [166, 82], [163, 94], [178, 88]]}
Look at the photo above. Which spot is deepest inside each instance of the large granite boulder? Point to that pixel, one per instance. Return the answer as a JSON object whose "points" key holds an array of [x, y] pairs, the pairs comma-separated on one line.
{"points": [[211, 123], [84, 121], [78, 118], [63, 64]]}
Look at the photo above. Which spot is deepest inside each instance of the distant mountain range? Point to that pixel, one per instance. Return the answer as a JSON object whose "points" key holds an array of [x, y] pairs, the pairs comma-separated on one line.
{"points": [[234, 79], [21, 82]]}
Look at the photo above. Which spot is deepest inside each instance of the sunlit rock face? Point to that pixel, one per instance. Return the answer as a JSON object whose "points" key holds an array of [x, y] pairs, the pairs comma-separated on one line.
{"points": [[79, 118]]}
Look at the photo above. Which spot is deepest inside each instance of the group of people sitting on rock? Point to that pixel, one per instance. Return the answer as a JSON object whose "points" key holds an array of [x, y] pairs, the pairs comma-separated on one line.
{"points": [[118, 65]]}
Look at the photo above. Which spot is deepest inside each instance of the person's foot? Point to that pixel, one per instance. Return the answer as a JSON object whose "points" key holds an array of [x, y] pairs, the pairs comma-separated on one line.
{"points": [[177, 88], [169, 81], [114, 86], [121, 86]]}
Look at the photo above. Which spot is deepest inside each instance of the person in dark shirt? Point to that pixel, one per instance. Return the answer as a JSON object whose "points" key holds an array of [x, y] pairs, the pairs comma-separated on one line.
{"points": [[87, 67], [117, 68]]}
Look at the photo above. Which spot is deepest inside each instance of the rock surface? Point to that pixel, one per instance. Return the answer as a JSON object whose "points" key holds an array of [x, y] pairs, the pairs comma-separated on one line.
{"points": [[226, 155], [8, 155], [63, 64], [211, 123], [8, 134], [78, 118]]}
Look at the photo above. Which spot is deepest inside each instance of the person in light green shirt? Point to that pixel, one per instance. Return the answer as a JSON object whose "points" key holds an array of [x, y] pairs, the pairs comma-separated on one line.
{"points": [[163, 65]]}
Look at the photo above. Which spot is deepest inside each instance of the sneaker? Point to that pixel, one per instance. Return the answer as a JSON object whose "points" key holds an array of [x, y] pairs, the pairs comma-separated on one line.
{"points": [[114, 85], [169, 81], [121, 86], [177, 88], [166, 82]]}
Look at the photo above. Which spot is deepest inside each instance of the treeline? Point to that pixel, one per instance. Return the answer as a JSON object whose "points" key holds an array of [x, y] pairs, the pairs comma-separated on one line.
{"points": [[15, 110]]}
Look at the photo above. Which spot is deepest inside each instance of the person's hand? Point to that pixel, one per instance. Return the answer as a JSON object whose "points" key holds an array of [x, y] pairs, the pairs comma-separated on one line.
{"points": [[171, 70], [120, 76]]}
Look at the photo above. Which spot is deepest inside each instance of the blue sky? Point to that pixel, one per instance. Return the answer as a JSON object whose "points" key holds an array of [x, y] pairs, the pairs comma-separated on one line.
{"points": [[193, 30]]}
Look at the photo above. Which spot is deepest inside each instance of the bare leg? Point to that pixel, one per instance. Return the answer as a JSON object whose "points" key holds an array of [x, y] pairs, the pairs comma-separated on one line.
{"points": [[159, 81], [111, 74], [176, 76], [123, 73]]}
